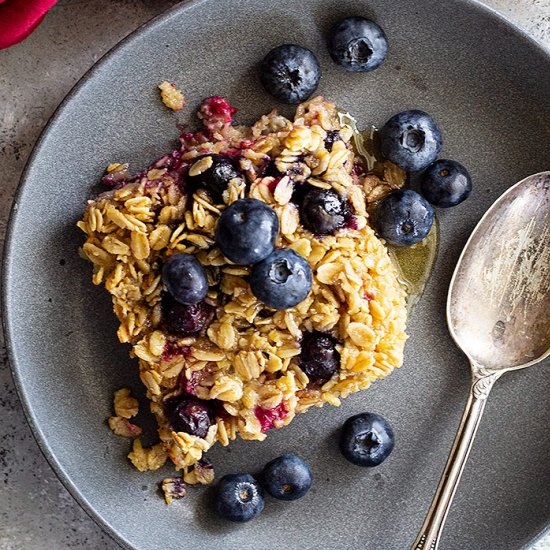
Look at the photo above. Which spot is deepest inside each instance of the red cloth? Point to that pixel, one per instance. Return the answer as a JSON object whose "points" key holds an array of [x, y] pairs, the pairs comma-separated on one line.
{"points": [[18, 18]]}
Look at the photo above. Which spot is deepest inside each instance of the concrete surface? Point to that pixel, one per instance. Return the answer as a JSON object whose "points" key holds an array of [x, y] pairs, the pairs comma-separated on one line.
{"points": [[35, 510]]}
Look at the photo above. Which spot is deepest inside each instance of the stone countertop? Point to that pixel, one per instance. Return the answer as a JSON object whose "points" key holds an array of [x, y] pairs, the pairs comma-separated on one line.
{"points": [[36, 511]]}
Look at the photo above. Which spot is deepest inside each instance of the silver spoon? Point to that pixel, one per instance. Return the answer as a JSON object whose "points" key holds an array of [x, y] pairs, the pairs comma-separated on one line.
{"points": [[498, 312]]}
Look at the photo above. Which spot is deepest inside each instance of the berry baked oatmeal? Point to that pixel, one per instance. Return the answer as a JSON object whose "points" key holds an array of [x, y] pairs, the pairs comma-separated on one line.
{"points": [[246, 278]]}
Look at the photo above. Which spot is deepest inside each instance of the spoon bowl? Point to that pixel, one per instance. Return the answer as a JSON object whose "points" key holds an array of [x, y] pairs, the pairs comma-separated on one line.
{"points": [[498, 307], [498, 312]]}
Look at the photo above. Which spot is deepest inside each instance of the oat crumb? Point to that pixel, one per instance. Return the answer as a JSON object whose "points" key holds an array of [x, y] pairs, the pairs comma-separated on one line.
{"points": [[123, 427], [202, 473], [173, 487], [171, 96], [125, 405], [145, 459]]}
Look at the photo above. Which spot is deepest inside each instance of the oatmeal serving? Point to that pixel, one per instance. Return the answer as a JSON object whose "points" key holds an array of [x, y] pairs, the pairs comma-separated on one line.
{"points": [[317, 315]]}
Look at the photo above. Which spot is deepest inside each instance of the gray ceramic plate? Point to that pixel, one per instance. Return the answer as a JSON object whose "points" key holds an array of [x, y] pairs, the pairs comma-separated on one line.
{"points": [[487, 85]]}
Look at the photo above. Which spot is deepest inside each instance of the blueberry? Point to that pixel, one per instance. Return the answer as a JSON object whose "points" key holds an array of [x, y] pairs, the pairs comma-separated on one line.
{"points": [[185, 279], [213, 175], [323, 211], [185, 320], [319, 358], [290, 73], [288, 477], [189, 414], [282, 280], [239, 497], [411, 140], [358, 44], [366, 439], [332, 136], [446, 183], [247, 231], [404, 217]]}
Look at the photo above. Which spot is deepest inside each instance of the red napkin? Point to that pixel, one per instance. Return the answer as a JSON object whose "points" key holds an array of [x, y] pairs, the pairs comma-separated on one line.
{"points": [[18, 18]]}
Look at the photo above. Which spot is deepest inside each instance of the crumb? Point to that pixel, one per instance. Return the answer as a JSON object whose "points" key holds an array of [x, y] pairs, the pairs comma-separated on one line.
{"points": [[173, 487], [122, 426], [147, 459], [202, 473], [171, 96], [125, 405]]}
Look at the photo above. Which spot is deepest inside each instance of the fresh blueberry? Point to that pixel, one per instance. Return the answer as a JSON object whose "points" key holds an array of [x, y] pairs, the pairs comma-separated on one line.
{"points": [[446, 183], [290, 73], [358, 44], [213, 174], [239, 497], [288, 477], [366, 439], [404, 217], [247, 231], [282, 280], [323, 211], [185, 279], [189, 414], [185, 320], [319, 358], [411, 140]]}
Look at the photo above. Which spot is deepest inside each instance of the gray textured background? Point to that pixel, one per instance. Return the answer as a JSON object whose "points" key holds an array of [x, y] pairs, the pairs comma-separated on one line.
{"points": [[35, 510]]}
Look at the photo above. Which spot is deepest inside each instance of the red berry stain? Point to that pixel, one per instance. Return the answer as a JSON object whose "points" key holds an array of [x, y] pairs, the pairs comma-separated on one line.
{"points": [[239, 149], [351, 223], [273, 184], [368, 296], [192, 139], [268, 416], [171, 350], [190, 384], [218, 108], [245, 144], [131, 427]]}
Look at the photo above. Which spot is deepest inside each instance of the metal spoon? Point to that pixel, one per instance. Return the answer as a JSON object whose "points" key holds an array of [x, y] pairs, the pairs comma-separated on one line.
{"points": [[498, 312]]}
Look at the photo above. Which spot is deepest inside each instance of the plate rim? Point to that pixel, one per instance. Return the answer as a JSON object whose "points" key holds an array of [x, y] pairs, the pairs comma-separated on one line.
{"points": [[19, 383]]}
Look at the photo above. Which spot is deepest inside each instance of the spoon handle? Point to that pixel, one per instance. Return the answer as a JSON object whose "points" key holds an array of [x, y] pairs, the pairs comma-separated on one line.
{"points": [[482, 382]]}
